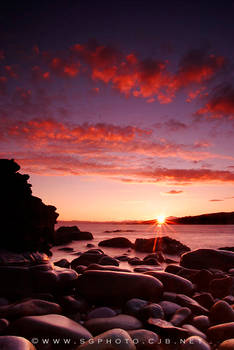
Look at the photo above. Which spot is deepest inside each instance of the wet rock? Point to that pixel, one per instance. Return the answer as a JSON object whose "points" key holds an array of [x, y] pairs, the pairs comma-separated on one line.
{"points": [[151, 261], [133, 306], [205, 299], [114, 339], [66, 249], [208, 258], [62, 263], [201, 322], [151, 310], [72, 305], [135, 261], [164, 244], [122, 257], [90, 245], [169, 308], [106, 267], [145, 269], [49, 326], [92, 256], [144, 339], [173, 283], [229, 299], [157, 255], [221, 312], [117, 242], [15, 343], [167, 329], [195, 343], [181, 316], [101, 312], [66, 234], [28, 308], [172, 268], [80, 268], [194, 331], [227, 345], [108, 260], [221, 332], [4, 323], [202, 279], [118, 287], [221, 287], [100, 325], [192, 304]]}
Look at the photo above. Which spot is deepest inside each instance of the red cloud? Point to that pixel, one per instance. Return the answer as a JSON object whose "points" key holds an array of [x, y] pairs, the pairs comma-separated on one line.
{"points": [[64, 68], [38, 74], [3, 82], [220, 105], [11, 72], [216, 200]]}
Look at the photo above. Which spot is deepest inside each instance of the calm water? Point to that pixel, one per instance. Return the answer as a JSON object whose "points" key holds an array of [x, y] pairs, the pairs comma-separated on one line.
{"points": [[194, 236]]}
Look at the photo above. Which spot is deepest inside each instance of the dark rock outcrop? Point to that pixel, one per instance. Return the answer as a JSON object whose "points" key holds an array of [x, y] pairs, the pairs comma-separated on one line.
{"points": [[164, 244], [27, 224], [66, 234]]}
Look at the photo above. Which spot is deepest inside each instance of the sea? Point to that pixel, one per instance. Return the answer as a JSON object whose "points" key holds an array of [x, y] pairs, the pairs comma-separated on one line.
{"points": [[194, 236]]}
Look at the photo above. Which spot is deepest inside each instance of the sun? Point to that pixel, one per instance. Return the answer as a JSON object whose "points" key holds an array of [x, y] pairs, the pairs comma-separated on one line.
{"points": [[161, 219]]}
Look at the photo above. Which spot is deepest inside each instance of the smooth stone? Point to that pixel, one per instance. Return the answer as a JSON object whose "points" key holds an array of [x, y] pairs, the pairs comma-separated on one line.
{"points": [[8, 342], [80, 269], [169, 308], [208, 258], [122, 257], [221, 287], [173, 283], [144, 339], [192, 304], [194, 331], [71, 304], [49, 325], [32, 307], [151, 261], [172, 268], [101, 312], [204, 299], [62, 263], [227, 345], [229, 299], [118, 287], [133, 306], [135, 261], [202, 279], [100, 325], [201, 322], [166, 329], [106, 267], [108, 260], [195, 343], [3, 325], [114, 339], [66, 249], [116, 242], [157, 255], [151, 310], [181, 316], [221, 332], [92, 256], [221, 312], [164, 244]]}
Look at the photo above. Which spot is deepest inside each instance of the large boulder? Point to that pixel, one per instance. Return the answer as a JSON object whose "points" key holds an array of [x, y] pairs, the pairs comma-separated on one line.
{"points": [[49, 326], [172, 283], [66, 234], [28, 308], [117, 287], [117, 242], [15, 343], [221, 332], [100, 325], [164, 244], [208, 259]]}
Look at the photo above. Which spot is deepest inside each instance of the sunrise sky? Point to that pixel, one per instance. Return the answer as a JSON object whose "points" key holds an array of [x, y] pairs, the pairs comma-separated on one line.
{"points": [[120, 109]]}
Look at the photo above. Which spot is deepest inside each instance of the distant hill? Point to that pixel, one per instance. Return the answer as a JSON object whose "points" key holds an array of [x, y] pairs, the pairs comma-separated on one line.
{"points": [[204, 219]]}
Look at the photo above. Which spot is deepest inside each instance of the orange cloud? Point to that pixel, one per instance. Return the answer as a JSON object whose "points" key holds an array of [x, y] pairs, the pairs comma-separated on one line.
{"points": [[64, 68], [174, 192]]}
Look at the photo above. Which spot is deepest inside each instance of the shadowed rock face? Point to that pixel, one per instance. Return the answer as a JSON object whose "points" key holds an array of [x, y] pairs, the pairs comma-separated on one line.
{"points": [[27, 224]]}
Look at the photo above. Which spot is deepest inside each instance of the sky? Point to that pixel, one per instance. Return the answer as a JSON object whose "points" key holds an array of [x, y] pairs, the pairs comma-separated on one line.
{"points": [[120, 110]]}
